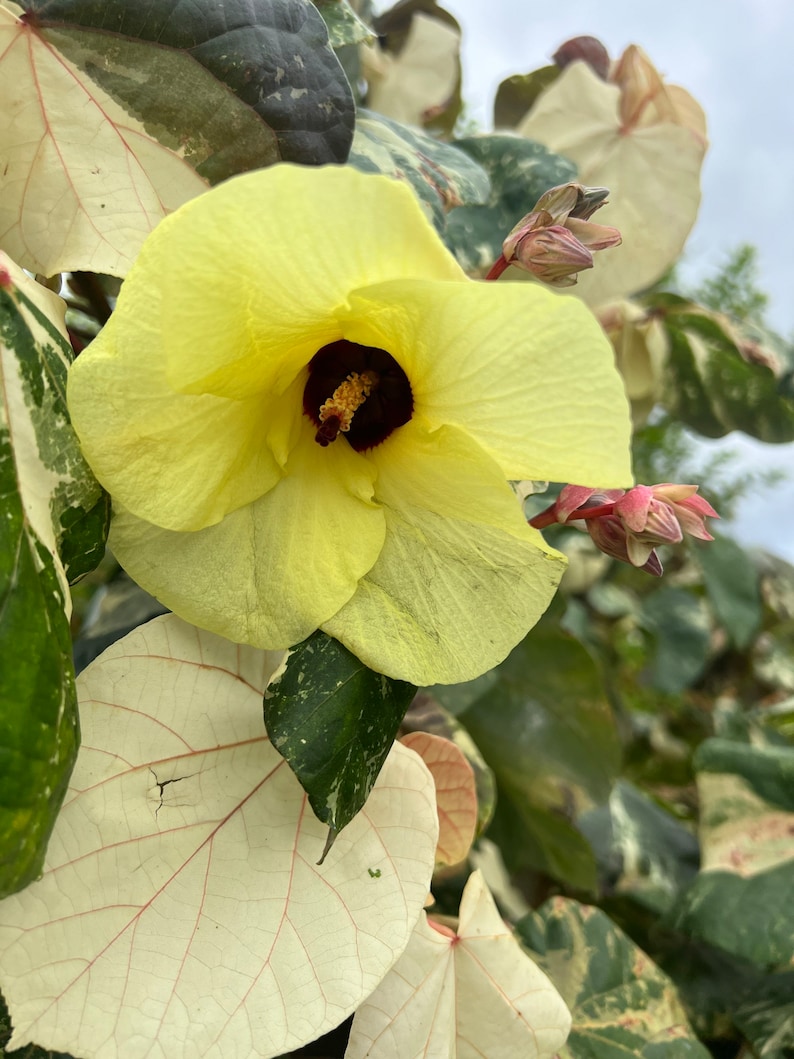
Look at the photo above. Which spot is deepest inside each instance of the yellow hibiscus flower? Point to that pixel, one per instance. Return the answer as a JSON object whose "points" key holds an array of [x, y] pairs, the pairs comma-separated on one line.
{"points": [[307, 416]]}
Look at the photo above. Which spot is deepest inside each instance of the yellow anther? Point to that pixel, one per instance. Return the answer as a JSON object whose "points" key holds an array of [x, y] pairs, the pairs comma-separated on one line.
{"points": [[347, 397]]}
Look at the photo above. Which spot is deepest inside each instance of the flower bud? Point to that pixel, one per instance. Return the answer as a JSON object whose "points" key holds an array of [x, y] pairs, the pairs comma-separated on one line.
{"points": [[556, 240], [629, 525], [552, 254]]}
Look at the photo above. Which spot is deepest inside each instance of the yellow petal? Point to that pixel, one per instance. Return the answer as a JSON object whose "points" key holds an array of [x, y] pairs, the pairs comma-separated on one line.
{"points": [[526, 372], [180, 461], [461, 577], [254, 272], [270, 573]]}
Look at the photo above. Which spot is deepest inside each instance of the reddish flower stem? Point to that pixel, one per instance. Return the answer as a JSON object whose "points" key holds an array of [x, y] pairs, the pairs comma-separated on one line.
{"points": [[548, 517], [591, 512], [545, 518], [498, 267]]}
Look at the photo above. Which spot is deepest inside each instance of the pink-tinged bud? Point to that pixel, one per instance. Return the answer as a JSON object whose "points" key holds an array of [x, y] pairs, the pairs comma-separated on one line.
{"points": [[556, 240], [553, 254], [648, 518], [594, 236], [690, 510], [571, 497], [588, 201], [629, 525], [608, 534], [558, 202]]}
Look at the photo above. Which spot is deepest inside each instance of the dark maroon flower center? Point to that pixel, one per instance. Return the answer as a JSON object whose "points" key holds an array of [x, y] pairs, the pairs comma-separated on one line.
{"points": [[360, 391]]}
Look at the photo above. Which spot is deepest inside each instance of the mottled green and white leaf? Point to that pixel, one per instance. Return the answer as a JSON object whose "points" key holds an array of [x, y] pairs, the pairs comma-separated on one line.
{"points": [[334, 721], [711, 380], [343, 24], [741, 901], [642, 850], [441, 176], [51, 506], [622, 1004]]}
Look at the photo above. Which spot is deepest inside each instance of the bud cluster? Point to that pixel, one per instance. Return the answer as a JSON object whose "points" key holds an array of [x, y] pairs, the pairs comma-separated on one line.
{"points": [[629, 525]]}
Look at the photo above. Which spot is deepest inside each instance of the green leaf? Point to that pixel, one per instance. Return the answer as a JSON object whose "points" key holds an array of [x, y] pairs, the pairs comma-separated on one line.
{"points": [[644, 851], [767, 1017], [516, 94], [622, 1004], [343, 24], [531, 836], [548, 733], [713, 382], [520, 171], [731, 581], [741, 901], [49, 502], [333, 721], [680, 624], [441, 176], [171, 67]]}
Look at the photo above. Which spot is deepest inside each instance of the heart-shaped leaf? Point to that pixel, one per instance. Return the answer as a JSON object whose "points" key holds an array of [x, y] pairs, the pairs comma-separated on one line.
{"points": [[464, 992], [651, 166], [181, 905]]}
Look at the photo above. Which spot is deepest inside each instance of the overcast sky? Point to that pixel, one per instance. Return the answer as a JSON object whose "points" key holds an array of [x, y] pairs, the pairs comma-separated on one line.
{"points": [[736, 58]]}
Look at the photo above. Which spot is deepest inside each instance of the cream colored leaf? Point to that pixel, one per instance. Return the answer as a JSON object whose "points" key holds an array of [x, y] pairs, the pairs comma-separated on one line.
{"points": [[641, 344], [181, 911], [652, 172], [82, 182], [465, 995], [421, 79], [456, 794]]}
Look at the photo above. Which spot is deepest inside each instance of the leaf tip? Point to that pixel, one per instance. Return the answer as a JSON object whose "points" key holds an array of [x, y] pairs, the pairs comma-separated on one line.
{"points": [[332, 833]]}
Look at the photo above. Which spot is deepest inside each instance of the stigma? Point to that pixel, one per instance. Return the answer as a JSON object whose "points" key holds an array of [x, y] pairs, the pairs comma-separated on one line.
{"points": [[336, 414]]}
